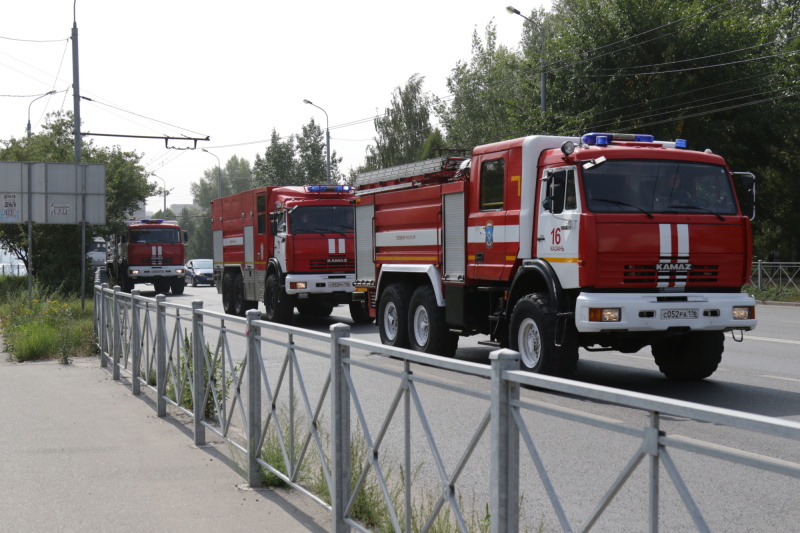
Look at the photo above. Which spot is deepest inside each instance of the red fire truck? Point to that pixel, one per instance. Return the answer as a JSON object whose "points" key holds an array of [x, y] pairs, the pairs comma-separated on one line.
{"points": [[290, 247], [148, 251], [547, 244]]}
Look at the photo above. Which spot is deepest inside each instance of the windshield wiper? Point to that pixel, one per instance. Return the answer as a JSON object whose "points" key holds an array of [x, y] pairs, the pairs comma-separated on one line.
{"points": [[617, 202], [709, 211]]}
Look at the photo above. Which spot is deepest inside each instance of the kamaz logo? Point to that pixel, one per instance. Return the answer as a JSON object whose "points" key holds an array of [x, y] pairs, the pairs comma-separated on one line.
{"points": [[337, 260], [673, 267]]}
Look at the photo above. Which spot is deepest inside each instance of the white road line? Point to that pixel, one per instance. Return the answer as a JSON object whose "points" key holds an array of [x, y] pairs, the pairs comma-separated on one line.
{"points": [[781, 378], [769, 339]]}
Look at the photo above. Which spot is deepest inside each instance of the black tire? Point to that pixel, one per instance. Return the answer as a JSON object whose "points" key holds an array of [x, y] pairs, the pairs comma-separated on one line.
{"points": [[177, 286], [194, 281], [277, 304], [533, 334], [239, 302], [127, 283], [359, 313], [315, 308], [690, 357], [393, 315], [227, 292], [427, 329], [161, 286]]}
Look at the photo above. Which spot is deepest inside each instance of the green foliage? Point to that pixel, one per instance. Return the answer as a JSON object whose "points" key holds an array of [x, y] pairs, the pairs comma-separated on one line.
{"points": [[773, 293], [179, 386], [198, 224], [403, 129], [236, 176], [278, 166], [49, 325], [56, 248]]}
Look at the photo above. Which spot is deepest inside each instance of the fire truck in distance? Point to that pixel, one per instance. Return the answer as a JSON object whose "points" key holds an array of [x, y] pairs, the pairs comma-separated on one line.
{"points": [[290, 247], [148, 251], [548, 244]]}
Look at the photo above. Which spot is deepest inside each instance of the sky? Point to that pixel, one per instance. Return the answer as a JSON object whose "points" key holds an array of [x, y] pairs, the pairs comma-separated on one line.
{"points": [[232, 71]]}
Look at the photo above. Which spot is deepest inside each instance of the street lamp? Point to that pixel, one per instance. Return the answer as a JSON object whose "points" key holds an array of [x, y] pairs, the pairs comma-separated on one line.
{"points": [[327, 137], [515, 11], [29, 109], [164, 190], [219, 175]]}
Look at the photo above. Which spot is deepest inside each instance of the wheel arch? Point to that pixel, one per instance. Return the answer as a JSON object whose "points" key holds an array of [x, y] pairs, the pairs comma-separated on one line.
{"points": [[414, 275], [536, 276]]}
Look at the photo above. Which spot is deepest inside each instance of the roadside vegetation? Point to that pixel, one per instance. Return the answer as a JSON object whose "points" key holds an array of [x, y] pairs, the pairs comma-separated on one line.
{"points": [[773, 294], [48, 326]]}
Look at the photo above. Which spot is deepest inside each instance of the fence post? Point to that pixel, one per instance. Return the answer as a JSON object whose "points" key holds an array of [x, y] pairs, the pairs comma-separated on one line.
{"points": [[340, 429], [103, 327], [117, 342], [253, 331], [504, 473], [198, 374], [161, 356], [136, 345], [759, 274]]}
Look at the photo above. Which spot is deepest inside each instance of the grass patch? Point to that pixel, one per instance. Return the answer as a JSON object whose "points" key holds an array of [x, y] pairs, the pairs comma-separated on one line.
{"points": [[51, 325], [773, 293]]}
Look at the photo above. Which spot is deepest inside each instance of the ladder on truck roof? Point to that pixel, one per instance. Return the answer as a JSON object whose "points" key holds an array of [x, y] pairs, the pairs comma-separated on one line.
{"points": [[408, 170]]}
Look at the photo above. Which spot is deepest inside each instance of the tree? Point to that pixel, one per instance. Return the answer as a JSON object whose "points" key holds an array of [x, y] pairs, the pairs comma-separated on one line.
{"points": [[311, 163], [278, 166], [403, 128], [56, 262], [198, 225], [237, 176]]}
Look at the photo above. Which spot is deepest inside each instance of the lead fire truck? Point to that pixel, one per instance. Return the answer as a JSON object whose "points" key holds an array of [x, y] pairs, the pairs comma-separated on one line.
{"points": [[290, 247], [547, 244], [148, 251]]}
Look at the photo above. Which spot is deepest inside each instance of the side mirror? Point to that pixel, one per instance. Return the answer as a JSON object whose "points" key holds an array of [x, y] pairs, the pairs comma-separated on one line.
{"points": [[185, 236], [745, 183]]}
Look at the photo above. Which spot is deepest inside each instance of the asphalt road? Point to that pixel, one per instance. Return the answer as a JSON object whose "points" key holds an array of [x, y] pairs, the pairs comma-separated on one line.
{"points": [[759, 375]]}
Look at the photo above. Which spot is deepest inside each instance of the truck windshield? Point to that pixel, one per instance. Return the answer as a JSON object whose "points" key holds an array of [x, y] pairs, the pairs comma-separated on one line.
{"points": [[155, 235], [322, 219], [636, 186]]}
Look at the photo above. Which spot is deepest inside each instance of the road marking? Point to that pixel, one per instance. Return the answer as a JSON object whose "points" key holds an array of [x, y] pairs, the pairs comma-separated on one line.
{"points": [[781, 378], [769, 339]]}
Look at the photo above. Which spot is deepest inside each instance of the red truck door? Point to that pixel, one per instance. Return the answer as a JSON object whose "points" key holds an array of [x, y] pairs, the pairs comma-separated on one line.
{"points": [[490, 240]]}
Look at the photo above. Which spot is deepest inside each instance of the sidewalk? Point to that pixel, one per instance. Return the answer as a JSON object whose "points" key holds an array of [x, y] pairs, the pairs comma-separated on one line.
{"points": [[81, 453]]}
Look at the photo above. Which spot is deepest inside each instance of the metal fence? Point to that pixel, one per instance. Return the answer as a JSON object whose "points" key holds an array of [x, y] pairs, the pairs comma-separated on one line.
{"points": [[782, 276], [9, 269], [261, 385]]}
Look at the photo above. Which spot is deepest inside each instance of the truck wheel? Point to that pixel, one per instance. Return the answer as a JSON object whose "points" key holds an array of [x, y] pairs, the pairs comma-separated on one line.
{"points": [[161, 286], [359, 313], [227, 293], [533, 335], [393, 315], [240, 304], [690, 357], [126, 283], [278, 306], [177, 286], [427, 329]]}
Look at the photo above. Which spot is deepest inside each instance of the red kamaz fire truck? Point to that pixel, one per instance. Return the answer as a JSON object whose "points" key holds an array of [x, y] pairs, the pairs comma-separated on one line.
{"points": [[148, 251], [547, 244], [288, 247]]}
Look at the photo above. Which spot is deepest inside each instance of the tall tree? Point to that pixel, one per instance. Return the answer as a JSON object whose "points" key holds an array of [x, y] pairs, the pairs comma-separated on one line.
{"points": [[311, 163], [278, 166], [403, 128], [236, 176], [56, 262]]}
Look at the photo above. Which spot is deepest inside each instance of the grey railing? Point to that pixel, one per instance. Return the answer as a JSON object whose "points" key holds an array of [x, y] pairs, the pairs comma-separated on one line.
{"points": [[765, 275], [267, 383]]}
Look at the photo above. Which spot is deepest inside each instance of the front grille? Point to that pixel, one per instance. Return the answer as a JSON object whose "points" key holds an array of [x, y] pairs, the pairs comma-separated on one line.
{"points": [[158, 261], [646, 274], [322, 265]]}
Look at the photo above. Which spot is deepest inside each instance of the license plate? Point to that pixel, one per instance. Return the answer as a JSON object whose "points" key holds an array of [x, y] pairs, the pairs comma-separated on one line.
{"points": [[678, 313], [337, 284]]}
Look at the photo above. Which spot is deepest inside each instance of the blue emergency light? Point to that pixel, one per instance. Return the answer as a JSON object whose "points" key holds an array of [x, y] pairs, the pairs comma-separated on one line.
{"points": [[329, 188], [680, 143], [603, 139]]}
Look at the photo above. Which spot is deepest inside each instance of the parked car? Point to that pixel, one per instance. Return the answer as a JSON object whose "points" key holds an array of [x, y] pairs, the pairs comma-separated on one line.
{"points": [[199, 271]]}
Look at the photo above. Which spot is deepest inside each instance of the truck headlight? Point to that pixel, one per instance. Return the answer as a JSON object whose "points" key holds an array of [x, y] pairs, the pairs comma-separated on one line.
{"points": [[297, 285], [179, 271], [134, 272], [605, 314], [744, 312]]}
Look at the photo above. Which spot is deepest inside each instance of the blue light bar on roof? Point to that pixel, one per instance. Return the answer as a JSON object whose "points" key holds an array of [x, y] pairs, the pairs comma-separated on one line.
{"points": [[593, 139], [680, 143], [329, 188], [152, 220]]}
